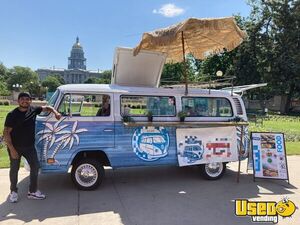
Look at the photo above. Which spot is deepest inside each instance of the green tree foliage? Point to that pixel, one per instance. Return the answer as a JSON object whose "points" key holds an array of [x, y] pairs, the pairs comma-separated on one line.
{"points": [[91, 80], [3, 89], [273, 45], [284, 32], [105, 78], [208, 68], [20, 75], [3, 72], [51, 82], [172, 74], [3, 84], [59, 78], [34, 88]]}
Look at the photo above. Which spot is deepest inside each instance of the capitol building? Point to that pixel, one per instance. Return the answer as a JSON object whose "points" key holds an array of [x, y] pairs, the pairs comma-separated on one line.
{"points": [[76, 72]]}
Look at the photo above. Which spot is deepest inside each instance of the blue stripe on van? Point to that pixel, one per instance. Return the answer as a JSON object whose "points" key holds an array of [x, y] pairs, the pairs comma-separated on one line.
{"points": [[116, 144]]}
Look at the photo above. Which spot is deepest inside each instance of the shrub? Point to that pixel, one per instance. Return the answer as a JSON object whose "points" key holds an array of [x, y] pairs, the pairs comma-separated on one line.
{"points": [[127, 118], [4, 102]]}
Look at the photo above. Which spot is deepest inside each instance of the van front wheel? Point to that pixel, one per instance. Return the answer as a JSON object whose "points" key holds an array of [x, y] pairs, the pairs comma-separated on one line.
{"points": [[213, 171], [87, 174]]}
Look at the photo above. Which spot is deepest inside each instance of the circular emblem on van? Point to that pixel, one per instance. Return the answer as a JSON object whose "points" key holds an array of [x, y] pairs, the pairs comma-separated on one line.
{"points": [[150, 143]]}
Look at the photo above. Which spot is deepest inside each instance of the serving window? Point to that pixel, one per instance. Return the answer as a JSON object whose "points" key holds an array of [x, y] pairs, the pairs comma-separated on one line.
{"points": [[206, 107], [142, 105], [85, 105]]}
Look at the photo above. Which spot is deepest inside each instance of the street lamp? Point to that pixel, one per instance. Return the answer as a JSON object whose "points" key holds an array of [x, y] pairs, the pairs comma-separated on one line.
{"points": [[46, 92], [219, 73], [16, 89], [17, 86]]}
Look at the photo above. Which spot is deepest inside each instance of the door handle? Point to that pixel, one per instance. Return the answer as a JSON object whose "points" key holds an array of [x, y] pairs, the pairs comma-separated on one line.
{"points": [[108, 130]]}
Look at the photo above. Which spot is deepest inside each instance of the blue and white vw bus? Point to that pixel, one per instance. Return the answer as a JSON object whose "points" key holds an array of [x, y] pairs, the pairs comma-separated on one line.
{"points": [[107, 125]]}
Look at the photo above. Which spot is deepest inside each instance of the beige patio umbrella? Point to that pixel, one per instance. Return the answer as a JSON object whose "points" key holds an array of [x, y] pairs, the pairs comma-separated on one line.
{"points": [[199, 37]]}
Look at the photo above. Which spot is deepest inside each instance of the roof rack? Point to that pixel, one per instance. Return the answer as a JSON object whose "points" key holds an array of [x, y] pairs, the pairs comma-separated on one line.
{"points": [[211, 84]]}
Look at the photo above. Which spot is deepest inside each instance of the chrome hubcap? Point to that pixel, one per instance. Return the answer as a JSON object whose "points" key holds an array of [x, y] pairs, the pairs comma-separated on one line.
{"points": [[86, 175], [214, 169]]}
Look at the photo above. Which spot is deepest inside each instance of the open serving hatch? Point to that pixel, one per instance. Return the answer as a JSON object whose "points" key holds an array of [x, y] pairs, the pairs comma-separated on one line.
{"points": [[142, 70]]}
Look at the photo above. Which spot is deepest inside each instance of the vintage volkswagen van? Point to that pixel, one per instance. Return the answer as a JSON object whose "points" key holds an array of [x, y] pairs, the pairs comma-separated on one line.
{"points": [[107, 125]]}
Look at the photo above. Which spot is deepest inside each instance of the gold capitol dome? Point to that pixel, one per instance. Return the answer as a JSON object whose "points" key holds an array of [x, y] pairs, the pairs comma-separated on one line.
{"points": [[77, 44]]}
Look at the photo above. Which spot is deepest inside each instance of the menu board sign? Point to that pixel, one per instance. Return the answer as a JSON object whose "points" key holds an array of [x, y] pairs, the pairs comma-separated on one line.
{"points": [[269, 156]]}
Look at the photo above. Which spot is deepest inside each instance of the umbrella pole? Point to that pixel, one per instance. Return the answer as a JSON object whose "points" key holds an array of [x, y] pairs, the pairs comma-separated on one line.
{"points": [[184, 65]]}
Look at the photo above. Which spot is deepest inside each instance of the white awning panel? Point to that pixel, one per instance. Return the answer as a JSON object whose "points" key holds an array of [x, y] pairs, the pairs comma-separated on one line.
{"points": [[143, 70]]}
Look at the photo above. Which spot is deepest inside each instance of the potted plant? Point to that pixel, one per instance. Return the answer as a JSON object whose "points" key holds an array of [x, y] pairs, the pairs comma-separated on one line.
{"points": [[182, 115], [236, 119], [126, 119], [150, 116]]}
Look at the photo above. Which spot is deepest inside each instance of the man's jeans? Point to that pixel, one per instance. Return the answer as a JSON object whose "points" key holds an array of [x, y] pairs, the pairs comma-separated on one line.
{"points": [[29, 153]]}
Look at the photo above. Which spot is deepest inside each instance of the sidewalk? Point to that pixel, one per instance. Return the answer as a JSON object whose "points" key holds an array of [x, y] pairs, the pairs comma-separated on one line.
{"points": [[147, 196]]}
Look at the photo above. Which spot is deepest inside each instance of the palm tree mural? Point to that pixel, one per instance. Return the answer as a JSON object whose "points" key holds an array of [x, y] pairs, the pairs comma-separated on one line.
{"points": [[67, 139], [49, 135]]}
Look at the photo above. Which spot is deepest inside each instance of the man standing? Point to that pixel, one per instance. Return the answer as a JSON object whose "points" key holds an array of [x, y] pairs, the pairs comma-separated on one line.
{"points": [[19, 133]]}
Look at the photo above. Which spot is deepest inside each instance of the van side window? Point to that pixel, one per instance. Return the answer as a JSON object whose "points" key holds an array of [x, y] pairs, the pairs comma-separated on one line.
{"points": [[206, 106], [85, 105], [104, 106], [141, 105]]}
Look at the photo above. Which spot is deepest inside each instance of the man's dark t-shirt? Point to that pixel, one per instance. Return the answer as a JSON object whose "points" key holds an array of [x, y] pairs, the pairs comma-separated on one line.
{"points": [[23, 126]]}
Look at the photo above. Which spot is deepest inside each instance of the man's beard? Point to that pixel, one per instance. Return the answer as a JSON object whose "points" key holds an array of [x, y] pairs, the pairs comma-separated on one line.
{"points": [[24, 107]]}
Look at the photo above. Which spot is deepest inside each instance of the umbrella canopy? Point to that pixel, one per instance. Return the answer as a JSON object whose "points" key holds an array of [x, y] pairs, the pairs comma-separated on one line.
{"points": [[199, 37]]}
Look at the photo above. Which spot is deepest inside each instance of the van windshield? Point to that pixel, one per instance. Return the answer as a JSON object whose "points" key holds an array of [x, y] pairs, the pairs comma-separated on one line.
{"points": [[51, 102]]}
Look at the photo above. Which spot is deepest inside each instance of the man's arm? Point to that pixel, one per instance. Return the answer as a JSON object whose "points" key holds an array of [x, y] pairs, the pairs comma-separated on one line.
{"points": [[7, 137], [51, 109]]}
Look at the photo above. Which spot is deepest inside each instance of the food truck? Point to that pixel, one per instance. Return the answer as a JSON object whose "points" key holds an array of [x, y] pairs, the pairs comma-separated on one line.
{"points": [[108, 124]]}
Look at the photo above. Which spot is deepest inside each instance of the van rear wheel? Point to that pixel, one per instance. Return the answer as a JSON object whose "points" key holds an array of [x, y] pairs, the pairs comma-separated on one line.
{"points": [[87, 174], [213, 171]]}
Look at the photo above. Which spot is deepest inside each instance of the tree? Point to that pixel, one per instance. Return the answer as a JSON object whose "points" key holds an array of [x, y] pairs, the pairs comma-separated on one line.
{"points": [[51, 82], [284, 32], [3, 72], [172, 74], [277, 46], [91, 80], [59, 78], [104, 79], [34, 88], [3, 78], [3, 89], [20, 75]]}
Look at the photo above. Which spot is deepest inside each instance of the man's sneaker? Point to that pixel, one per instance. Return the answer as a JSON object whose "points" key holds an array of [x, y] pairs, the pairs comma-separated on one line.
{"points": [[13, 197], [36, 195]]}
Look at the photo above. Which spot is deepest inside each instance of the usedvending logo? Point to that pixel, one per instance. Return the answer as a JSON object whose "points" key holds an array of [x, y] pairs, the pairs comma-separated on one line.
{"points": [[267, 211], [150, 143]]}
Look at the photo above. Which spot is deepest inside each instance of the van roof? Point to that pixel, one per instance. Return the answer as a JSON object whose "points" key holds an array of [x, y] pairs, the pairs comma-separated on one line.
{"points": [[112, 88]]}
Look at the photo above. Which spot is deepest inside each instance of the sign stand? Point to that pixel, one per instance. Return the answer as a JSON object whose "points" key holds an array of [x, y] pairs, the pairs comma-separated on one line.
{"points": [[269, 156]]}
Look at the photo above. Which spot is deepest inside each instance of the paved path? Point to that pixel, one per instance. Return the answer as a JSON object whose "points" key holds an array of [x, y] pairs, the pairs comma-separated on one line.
{"points": [[147, 196]]}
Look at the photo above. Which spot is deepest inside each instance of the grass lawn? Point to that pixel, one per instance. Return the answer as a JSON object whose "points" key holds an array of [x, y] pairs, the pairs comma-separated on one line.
{"points": [[289, 125], [4, 161]]}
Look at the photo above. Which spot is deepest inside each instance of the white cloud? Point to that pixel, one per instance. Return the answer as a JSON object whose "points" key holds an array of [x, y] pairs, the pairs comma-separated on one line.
{"points": [[169, 10]]}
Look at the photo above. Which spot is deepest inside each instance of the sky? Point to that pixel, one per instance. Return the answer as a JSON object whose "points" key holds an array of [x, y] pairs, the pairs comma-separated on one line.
{"points": [[40, 33]]}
